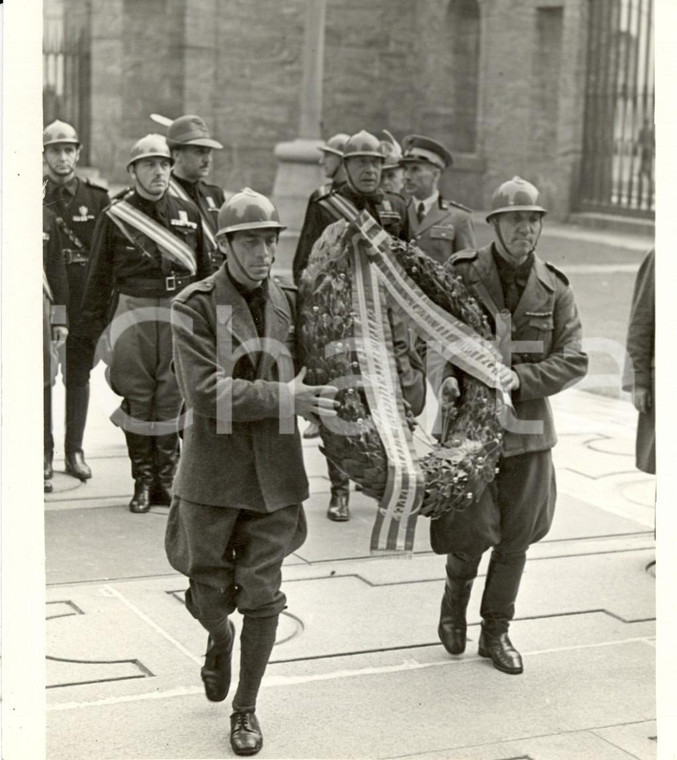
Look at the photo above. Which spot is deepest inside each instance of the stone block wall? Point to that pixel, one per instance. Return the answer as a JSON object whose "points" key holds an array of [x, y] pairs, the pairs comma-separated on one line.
{"points": [[499, 81]]}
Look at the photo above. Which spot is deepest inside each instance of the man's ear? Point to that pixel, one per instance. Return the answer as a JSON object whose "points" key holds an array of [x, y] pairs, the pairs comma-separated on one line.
{"points": [[131, 171], [77, 152]]}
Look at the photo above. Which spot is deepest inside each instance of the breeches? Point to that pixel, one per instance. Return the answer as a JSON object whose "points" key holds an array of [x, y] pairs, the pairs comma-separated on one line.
{"points": [[233, 557], [140, 368]]}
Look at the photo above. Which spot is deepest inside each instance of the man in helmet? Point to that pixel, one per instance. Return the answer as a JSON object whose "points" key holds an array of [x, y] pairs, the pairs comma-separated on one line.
{"points": [[192, 147], [148, 246], [237, 511], [332, 153], [363, 161], [77, 204], [532, 310], [392, 176], [438, 226]]}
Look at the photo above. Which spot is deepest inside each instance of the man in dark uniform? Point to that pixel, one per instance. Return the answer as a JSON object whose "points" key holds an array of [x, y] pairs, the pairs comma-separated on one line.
{"points": [[54, 324], [538, 330], [77, 204], [438, 226], [192, 148], [148, 246], [332, 153], [363, 160], [237, 511]]}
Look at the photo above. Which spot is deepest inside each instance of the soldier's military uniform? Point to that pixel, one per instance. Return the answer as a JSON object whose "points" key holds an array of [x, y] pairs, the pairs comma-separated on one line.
{"points": [[446, 229], [128, 267], [387, 208], [438, 226], [186, 131], [54, 314], [77, 205], [534, 303]]}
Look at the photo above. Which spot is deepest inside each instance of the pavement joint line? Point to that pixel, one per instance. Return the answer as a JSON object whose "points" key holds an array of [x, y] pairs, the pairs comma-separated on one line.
{"points": [[110, 591], [273, 681], [528, 737]]}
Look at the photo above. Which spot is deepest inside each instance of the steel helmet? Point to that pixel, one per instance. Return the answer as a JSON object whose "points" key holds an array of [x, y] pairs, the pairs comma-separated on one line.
{"points": [[515, 195], [190, 130], [392, 151], [363, 144], [336, 144], [248, 210], [150, 146], [59, 132]]}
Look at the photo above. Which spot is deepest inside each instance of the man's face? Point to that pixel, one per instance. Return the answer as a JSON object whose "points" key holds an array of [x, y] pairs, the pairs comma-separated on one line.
{"points": [[520, 231], [252, 253], [331, 163], [192, 162], [61, 159], [392, 179], [364, 173], [151, 175], [420, 179]]}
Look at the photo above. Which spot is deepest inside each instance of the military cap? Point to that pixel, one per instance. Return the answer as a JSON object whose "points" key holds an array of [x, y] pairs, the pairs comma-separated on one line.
{"points": [[190, 130], [420, 148], [59, 132], [335, 144]]}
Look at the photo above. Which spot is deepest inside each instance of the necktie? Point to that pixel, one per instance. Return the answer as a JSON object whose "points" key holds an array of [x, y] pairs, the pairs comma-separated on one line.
{"points": [[420, 212], [512, 295]]}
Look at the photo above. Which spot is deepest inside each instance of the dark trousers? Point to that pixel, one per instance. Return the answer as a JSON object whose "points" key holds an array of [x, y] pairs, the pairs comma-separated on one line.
{"points": [[340, 482], [525, 496], [233, 559]]}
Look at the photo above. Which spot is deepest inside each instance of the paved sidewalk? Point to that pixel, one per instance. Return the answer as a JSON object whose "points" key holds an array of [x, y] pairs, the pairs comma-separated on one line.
{"points": [[358, 671]]}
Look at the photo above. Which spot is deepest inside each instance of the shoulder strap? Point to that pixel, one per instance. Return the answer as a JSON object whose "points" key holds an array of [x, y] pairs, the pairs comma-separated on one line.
{"points": [[169, 245], [339, 206], [177, 191], [68, 232]]}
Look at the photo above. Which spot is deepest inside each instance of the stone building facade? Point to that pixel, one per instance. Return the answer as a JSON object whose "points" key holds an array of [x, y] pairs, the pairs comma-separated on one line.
{"points": [[501, 82]]}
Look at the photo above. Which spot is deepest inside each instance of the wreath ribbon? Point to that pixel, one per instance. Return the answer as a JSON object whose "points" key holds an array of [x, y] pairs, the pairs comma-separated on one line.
{"points": [[395, 523]]}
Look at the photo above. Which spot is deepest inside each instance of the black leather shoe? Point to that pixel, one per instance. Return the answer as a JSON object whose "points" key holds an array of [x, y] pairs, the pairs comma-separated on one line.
{"points": [[77, 467], [141, 500], [453, 627], [245, 733], [217, 668], [338, 508], [48, 486], [160, 495], [49, 471], [502, 653]]}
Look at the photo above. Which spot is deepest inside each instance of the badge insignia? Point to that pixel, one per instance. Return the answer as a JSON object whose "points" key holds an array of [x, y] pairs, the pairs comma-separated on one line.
{"points": [[183, 216], [83, 210]]}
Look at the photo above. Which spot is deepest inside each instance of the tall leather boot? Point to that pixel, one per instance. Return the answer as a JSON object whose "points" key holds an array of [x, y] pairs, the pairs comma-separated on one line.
{"points": [[166, 457], [498, 609], [140, 448], [453, 626], [77, 403], [338, 509]]}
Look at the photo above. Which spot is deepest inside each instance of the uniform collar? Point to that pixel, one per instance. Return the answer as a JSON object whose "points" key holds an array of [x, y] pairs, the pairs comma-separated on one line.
{"points": [[428, 202], [71, 187]]}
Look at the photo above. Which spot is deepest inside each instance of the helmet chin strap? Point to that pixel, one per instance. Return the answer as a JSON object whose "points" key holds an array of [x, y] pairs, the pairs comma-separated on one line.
{"points": [[144, 192], [504, 245], [237, 271], [351, 185]]}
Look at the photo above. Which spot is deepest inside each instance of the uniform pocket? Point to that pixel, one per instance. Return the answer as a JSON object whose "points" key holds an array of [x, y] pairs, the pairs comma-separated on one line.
{"points": [[442, 232]]}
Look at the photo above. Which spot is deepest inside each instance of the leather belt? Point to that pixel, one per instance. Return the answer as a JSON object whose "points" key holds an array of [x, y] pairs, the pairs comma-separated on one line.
{"points": [[73, 256], [170, 284]]}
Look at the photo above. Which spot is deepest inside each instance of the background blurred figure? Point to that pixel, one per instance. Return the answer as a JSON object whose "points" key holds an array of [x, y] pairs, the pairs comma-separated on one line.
{"points": [[638, 377], [392, 176]]}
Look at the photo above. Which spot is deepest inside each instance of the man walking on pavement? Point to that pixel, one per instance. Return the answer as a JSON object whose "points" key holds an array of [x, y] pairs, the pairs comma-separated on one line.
{"points": [[363, 160], [236, 512], [534, 317], [77, 205], [438, 226], [192, 150], [54, 324], [148, 246]]}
